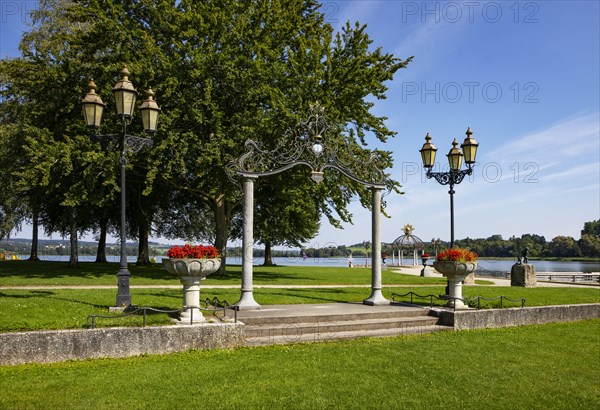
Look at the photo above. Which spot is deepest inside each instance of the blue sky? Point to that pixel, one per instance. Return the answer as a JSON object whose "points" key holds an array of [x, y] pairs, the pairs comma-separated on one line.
{"points": [[523, 75]]}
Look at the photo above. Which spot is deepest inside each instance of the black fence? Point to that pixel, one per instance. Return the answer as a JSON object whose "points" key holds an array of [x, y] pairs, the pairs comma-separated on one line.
{"points": [[472, 302], [217, 306]]}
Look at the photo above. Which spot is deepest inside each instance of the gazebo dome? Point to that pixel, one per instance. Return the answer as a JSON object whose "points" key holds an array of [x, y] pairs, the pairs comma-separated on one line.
{"points": [[408, 242]]}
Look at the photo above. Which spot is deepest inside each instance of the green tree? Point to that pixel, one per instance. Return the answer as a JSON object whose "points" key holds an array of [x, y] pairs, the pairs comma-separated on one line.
{"points": [[13, 204], [18, 203], [591, 228], [252, 71], [563, 246], [590, 239], [285, 214], [535, 243], [223, 71], [590, 245], [41, 89]]}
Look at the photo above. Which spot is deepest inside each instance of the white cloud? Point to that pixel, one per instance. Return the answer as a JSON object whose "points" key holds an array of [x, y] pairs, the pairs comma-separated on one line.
{"points": [[577, 171], [430, 42], [569, 137]]}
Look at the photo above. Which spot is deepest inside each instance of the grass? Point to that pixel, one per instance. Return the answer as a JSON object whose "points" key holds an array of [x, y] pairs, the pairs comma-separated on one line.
{"points": [[25, 273], [554, 366], [47, 308], [24, 310]]}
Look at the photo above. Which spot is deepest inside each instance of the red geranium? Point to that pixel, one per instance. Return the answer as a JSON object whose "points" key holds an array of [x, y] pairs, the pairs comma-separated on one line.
{"points": [[193, 252], [457, 255]]}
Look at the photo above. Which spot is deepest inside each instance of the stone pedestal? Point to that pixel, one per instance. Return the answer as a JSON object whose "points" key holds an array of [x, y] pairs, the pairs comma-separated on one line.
{"points": [[191, 302], [523, 275], [455, 291]]}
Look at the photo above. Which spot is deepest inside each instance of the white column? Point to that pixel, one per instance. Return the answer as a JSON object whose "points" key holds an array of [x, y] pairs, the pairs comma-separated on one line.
{"points": [[247, 301], [376, 297]]}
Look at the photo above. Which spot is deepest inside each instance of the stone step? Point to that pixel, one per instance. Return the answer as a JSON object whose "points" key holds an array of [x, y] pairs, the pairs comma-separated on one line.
{"points": [[324, 327], [355, 334], [333, 317], [280, 324]]}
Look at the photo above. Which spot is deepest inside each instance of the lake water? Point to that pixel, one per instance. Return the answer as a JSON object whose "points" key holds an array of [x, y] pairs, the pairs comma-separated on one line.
{"points": [[485, 264]]}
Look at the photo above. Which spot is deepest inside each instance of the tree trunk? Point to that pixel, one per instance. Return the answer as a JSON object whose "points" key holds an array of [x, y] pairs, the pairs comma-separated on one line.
{"points": [[143, 253], [222, 218], [101, 252], [33, 256], [268, 255], [73, 259]]}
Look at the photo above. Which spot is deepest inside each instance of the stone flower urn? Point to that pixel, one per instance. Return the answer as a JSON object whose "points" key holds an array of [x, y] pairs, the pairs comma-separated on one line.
{"points": [[455, 272], [190, 272]]}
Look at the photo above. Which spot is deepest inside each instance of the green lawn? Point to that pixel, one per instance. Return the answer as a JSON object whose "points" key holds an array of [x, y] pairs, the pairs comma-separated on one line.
{"points": [[24, 273], [553, 366], [22, 310]]}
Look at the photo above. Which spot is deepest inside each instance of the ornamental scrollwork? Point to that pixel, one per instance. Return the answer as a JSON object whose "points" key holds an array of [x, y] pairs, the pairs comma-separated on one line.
{"points": [[132, 143], [135, 144], [313, 142], [451, 177]]}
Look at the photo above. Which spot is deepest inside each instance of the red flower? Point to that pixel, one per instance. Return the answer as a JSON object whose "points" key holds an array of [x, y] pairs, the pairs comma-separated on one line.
{"points": [[425, 255], [457, 255], [193, 252]]}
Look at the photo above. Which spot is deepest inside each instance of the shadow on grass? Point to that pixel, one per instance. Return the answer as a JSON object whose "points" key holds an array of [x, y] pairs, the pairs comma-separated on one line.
{"points": [[79, 302], [177, 296], [85, 270], [31, 294], [58, 272]]}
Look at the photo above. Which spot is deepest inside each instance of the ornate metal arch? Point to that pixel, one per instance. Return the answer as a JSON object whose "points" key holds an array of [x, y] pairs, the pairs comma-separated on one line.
{"points": [[307, 144]]}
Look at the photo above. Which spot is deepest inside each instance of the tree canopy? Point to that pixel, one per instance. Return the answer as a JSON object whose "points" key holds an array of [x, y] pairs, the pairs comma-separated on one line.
{"points": [[223, 71]]}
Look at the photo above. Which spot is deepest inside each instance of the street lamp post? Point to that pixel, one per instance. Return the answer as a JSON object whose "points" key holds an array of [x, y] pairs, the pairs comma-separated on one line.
{"points": [[456, 174], [93, 108]]}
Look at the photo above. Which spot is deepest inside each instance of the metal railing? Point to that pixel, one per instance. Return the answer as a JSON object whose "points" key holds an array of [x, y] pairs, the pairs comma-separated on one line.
{"points": [[417, 295], [466, 301], [223, 306], [219, 306], [479, 298], [483, 272], [577, 277]]}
